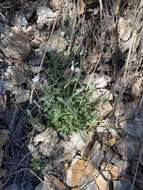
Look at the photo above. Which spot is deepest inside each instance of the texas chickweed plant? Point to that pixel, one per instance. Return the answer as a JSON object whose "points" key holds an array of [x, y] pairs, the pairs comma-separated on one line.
{"points": [[65, 103], [67, 111]]}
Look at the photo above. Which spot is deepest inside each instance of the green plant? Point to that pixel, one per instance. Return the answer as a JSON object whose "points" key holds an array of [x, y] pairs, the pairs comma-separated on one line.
{"points": [[65, 103], [36, 165], [66, 110], [56, 65]]}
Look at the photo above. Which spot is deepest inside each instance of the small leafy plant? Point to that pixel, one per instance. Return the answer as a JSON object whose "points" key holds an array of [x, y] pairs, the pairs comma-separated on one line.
{"points": [[36, 165], [65, 103], [67, 112]]}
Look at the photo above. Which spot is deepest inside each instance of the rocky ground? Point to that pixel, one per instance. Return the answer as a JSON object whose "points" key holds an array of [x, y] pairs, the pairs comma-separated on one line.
{"points": [[71, 95]]}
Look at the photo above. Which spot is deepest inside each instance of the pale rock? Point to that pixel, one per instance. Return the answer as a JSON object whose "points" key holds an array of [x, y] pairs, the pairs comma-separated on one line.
{"points": [[9, 86], [106, 123], [111, 169]]}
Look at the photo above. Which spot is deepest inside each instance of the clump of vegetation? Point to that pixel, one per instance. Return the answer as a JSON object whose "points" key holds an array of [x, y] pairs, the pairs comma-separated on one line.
{"points": [[56, 65], [65, 103], [67, 112], [36, 165]]}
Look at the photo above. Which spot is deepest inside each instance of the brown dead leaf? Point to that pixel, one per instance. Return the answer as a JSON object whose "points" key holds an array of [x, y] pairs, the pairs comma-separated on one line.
{"points": [[82, 169]]}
